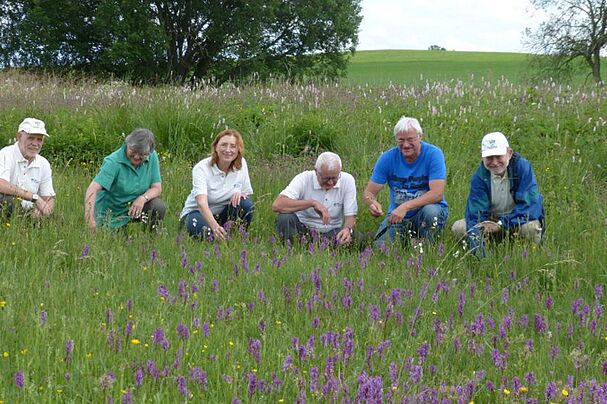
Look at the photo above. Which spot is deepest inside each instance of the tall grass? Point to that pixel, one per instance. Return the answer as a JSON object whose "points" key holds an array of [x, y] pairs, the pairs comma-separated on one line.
{"points": [[163, 318]]}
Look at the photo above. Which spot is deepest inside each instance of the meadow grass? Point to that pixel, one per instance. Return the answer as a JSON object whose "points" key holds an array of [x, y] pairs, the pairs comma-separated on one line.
{"points": [[158, 317], [415, 67]]}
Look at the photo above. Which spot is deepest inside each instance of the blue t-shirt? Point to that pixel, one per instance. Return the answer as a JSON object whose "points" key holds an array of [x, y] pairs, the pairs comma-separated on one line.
{"points": [[409, 180]]}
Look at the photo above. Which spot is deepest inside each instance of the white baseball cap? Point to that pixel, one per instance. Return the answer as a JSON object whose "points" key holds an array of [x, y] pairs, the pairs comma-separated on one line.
{"points": [[494, 144], [33, 126]]}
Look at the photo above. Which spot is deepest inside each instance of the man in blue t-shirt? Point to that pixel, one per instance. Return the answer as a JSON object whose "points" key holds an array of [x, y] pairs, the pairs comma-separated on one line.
{"points": [[416, 173]]}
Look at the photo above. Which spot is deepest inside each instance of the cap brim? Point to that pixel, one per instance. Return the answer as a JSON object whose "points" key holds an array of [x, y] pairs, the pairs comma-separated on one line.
{"points": [[499, 151]]}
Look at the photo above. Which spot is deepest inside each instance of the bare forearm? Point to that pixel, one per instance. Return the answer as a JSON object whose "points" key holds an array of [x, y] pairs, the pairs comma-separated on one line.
{"points": [[288, 205], [8, 188]]}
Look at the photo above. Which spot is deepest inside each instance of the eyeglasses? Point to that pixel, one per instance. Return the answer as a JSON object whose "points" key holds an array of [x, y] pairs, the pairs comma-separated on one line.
{"points": [[325, 180], [135, 154]]}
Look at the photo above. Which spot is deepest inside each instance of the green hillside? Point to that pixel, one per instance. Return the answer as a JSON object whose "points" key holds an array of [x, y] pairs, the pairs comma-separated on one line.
{"points": [[412, 66]]}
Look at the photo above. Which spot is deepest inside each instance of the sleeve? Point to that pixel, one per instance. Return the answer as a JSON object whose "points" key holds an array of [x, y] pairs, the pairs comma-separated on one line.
{"points": [[478, 205], [46, 182], [527, 199], [155, 168], [107, 173], [5, 169], [437, 167], [295, 189], [199, 181], [380, 171], [350, 203], [246, 180]]}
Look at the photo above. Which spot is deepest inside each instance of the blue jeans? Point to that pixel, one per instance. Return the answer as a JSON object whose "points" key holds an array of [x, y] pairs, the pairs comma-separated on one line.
{"points": [[198, 227], [427, 223]]}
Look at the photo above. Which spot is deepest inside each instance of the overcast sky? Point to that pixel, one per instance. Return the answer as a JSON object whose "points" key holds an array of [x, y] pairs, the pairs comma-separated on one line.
{"points": [[461, 25]]}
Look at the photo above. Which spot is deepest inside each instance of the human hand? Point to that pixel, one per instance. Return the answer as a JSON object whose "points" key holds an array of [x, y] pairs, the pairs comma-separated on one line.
{"points": [[92, 225], [137, 207], [219, 233], [43, 207], [323, 212], [344, 237], [490, 227], [375, 209], [398, 214], [236, 197]]}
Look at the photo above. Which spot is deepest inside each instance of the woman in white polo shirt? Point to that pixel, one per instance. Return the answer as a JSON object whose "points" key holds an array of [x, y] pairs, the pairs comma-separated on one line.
{"points": [[221, 189]]}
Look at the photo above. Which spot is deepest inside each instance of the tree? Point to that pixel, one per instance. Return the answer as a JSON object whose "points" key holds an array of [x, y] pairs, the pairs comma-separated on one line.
{"points": [[575, 29], [179, 40], [436, 48]]}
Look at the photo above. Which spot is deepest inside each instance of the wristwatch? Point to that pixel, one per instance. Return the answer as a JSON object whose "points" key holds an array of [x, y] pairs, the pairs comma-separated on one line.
{"points": [[35, 197]]}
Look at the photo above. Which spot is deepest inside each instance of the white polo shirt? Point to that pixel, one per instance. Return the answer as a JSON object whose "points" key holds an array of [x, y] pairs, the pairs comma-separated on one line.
{"points": [[340, 200], [35, 177], [216, 185]]}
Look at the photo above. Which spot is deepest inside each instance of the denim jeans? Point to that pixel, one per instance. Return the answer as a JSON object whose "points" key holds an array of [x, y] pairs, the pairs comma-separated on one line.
{"points": [[427, 223], [198, 227]]}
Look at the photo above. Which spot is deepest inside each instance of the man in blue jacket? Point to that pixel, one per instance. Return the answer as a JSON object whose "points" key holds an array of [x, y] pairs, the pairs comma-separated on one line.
{"points": [[504, 197]]}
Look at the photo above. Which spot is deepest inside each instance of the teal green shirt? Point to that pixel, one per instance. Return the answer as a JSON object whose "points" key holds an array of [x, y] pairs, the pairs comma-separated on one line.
{"points": [[122, 184]]}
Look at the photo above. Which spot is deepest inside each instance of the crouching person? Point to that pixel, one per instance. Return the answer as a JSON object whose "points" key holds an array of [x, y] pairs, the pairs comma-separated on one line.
{"points": [[322, 200], [504, 198], [127, 187], [24, 174]]}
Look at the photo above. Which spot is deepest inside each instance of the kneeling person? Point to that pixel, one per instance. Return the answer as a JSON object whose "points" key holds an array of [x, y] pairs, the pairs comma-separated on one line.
{"points": [[321, 200], [504, 197], [25, 174]]}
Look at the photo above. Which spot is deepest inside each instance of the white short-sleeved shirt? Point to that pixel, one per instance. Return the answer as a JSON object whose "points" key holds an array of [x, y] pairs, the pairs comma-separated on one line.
{"points": [[35, 177], [216, 185], [340, 200]]}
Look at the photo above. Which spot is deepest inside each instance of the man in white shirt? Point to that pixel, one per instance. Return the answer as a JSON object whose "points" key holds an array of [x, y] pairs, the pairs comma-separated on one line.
{"points": [[24, 174], [322, 200]]}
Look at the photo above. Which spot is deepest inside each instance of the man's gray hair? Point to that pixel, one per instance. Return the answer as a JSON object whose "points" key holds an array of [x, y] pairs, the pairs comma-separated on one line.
{"points": [[405, 124], [330, 160], [141, 140]]}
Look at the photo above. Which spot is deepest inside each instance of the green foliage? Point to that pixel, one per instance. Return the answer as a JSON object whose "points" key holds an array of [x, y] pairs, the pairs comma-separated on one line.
{"points": [[157, 41], [104, 291]]}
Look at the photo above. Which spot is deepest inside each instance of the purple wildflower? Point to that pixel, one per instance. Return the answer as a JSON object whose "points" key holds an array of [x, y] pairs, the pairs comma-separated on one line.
{"points": [[163, 291], [107, 380], [139, 376], [109, 316], [69, 349], [19, 379], [86, 250], [182, 385], [199, 376], [314, 379], [252, 383], [205, 329], [540, 324], [254, 348], [128, 328], [183, 331], [550, 391], [43, 317]]}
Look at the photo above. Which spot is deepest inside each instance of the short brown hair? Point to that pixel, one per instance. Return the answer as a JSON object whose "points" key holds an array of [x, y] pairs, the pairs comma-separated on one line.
{"points": [[237, 163]]}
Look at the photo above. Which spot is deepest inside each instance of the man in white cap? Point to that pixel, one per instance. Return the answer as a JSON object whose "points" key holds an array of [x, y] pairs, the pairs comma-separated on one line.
{"points": [[24, 174], [504, 197]]}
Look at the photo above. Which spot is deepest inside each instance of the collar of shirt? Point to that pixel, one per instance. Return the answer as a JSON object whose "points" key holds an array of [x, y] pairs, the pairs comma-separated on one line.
{"points": [[20, 159]]}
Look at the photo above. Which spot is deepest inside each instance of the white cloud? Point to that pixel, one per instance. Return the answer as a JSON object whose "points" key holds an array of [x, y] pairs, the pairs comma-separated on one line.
{"points": [[471, 25]]}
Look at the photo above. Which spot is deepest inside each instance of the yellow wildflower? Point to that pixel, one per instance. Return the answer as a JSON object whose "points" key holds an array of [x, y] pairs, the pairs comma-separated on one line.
{"points": [[523, 389], [135, 341], [2, 304], [5, 354], [506, 391], [565, 392]]}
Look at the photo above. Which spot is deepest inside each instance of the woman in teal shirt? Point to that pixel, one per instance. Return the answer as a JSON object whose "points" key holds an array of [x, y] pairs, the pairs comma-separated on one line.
{"points": [[128, 185]]}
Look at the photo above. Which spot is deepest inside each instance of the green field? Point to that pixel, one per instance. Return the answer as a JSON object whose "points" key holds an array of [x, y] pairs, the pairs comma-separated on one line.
{"points": [[140, 317]]}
